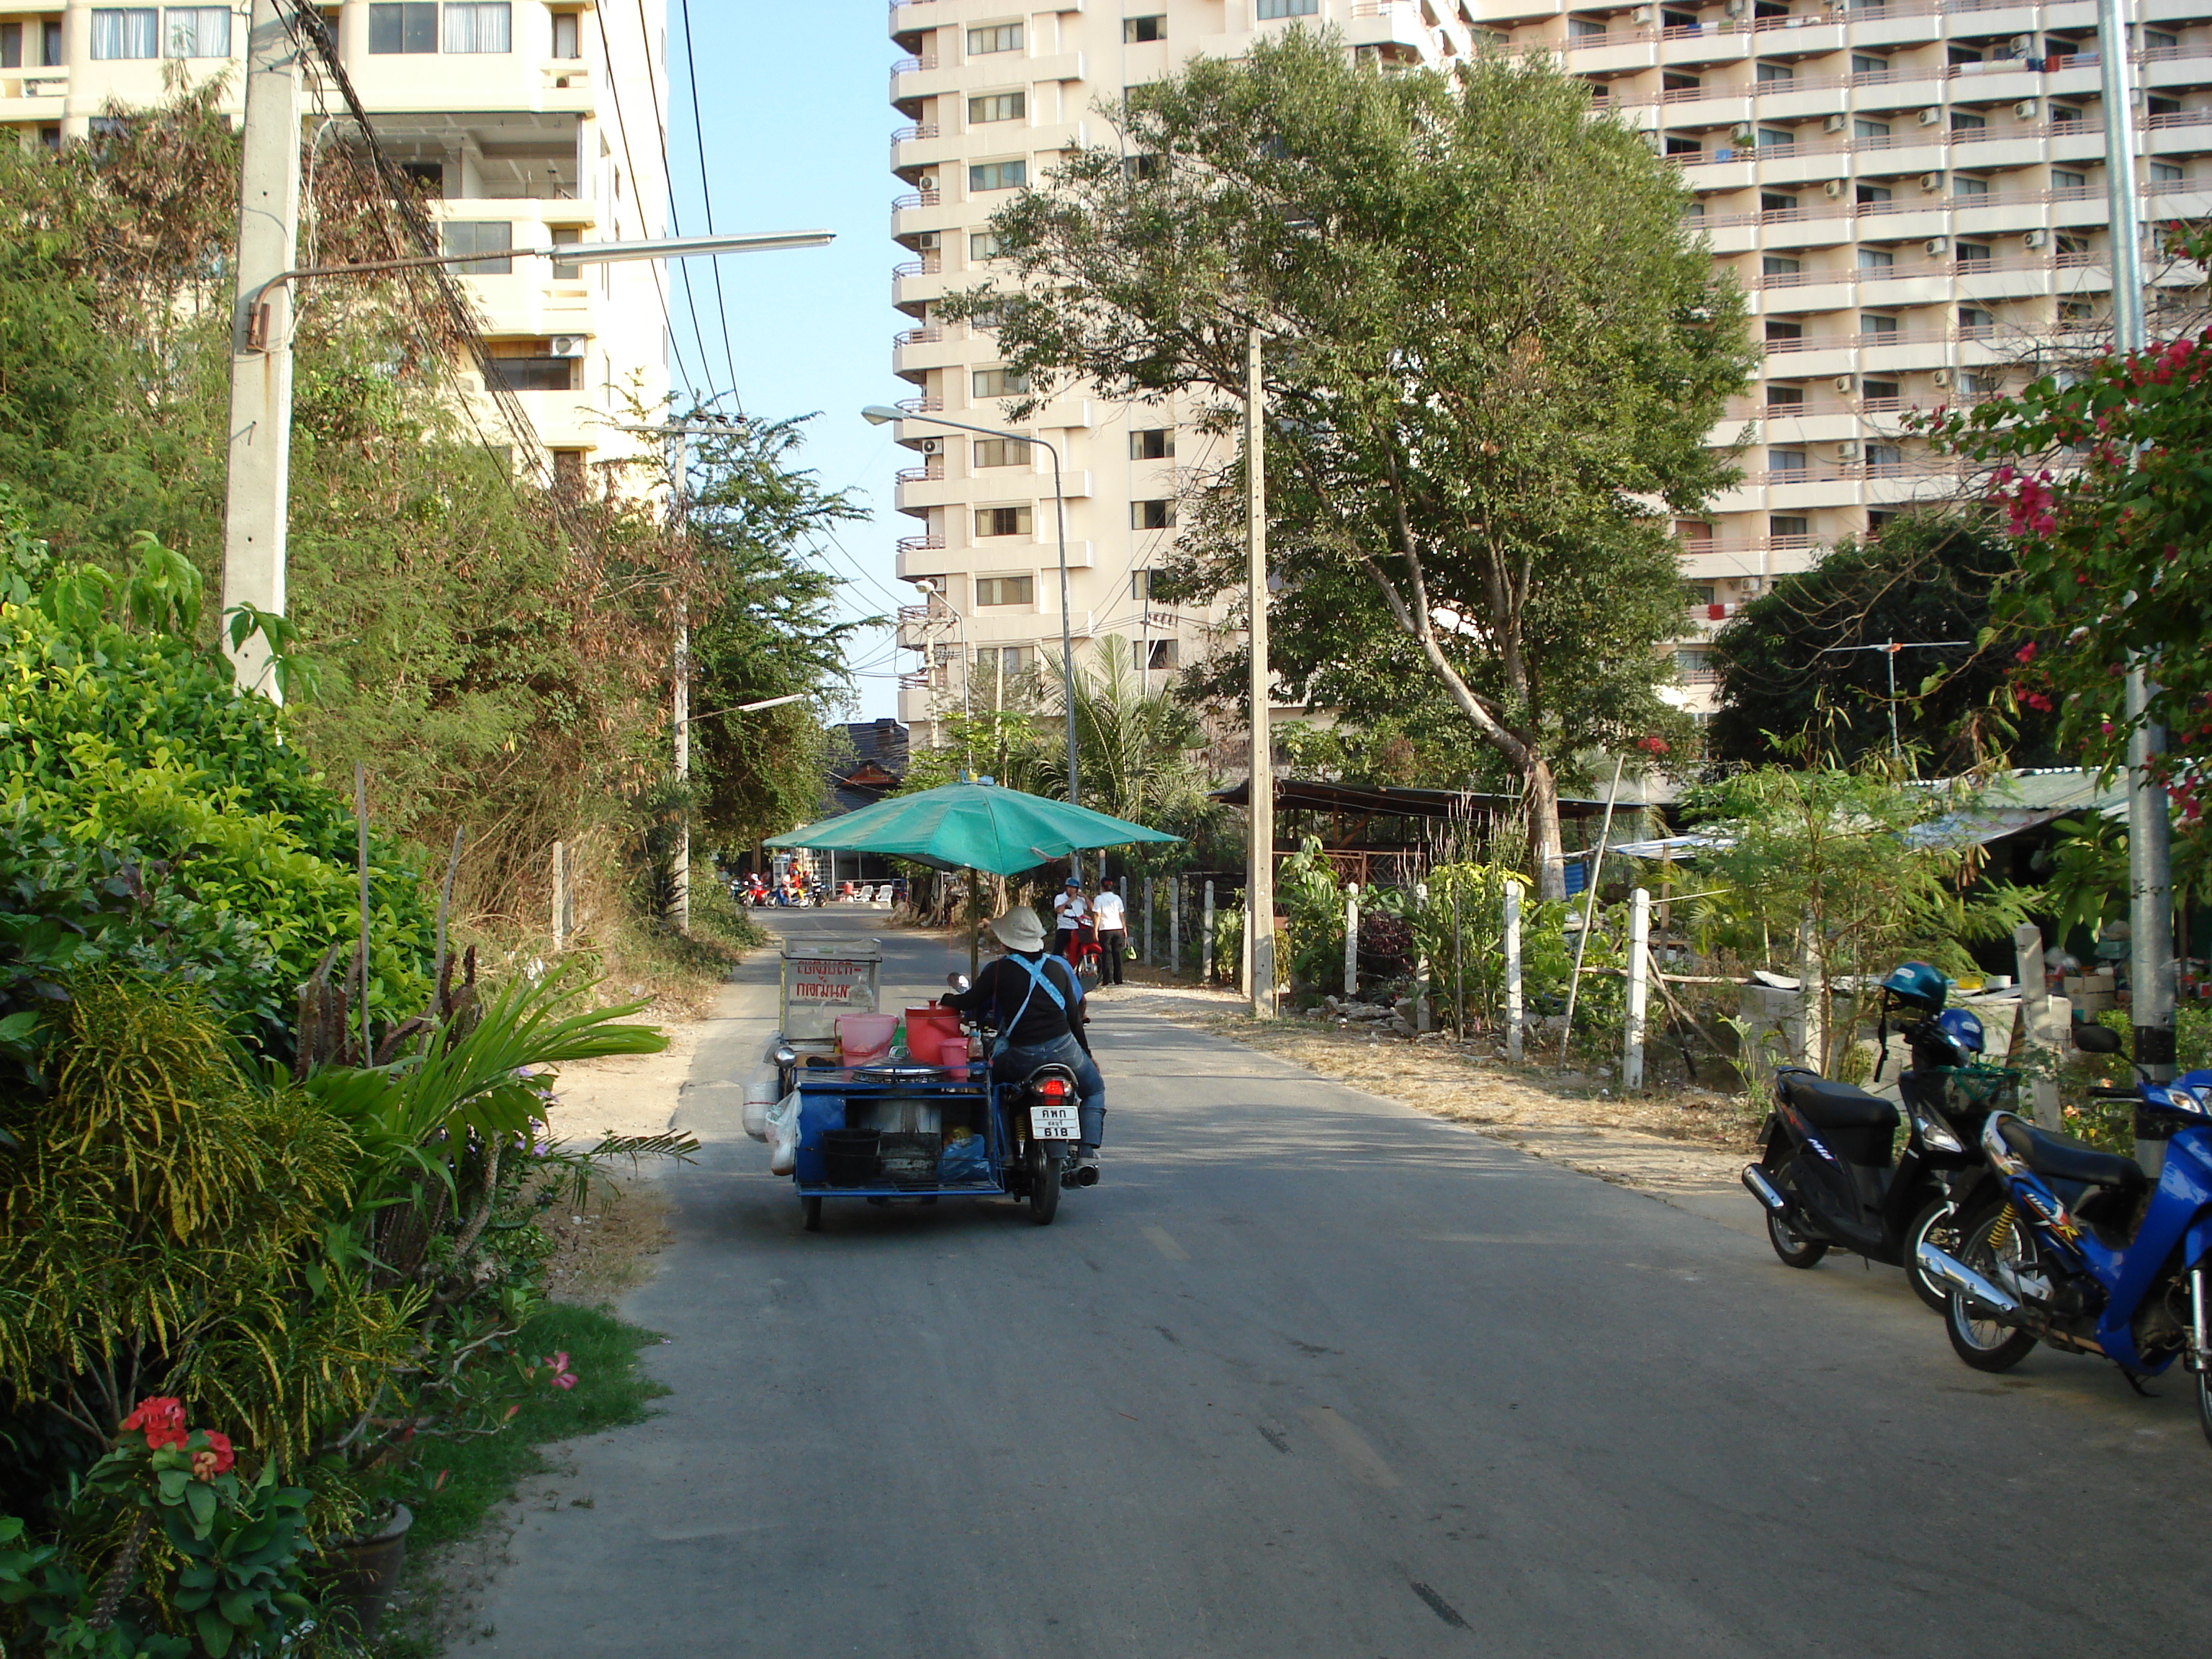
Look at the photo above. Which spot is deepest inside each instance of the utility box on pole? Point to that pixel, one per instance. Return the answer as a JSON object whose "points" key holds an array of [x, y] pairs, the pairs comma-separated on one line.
{"points": [[259, 495]]}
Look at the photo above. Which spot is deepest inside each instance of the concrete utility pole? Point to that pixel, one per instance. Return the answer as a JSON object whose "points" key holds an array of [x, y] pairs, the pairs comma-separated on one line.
{"points": [[259, 495], [2150, 853], [1259, 877], [1889, 649]]}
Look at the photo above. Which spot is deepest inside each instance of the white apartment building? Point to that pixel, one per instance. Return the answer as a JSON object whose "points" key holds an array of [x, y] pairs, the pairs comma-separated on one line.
{"points": [[504, 112], [1912, 192]]}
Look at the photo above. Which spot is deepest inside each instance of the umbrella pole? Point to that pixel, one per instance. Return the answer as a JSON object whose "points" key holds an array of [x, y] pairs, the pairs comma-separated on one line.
{"points": [[975, 931]]}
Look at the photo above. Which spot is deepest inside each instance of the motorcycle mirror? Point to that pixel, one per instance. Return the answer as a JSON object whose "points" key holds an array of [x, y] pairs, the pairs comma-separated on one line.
{"points": [[958, 982], [2096, 1040]]}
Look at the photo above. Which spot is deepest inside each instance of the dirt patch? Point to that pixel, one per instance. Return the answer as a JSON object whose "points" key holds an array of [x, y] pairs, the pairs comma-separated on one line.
{"points": [[1665, 1140], [605, 1245]]}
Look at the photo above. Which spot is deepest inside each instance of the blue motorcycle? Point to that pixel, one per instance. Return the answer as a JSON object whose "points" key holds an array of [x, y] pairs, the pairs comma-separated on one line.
{"points": [[2083, 1250]]}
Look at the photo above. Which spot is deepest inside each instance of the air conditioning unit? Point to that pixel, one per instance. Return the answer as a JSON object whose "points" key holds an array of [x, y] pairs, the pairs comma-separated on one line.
{"points": [[2036, 238], [931, 445], [1937, 247], [2023, 45], [2024, 110], [927, 182], [1832, 188], [1835, 124], [1931, 118], [1847, 451], [929, 241], [1845, 385], [1931, 182], [1644, 15], [567, 345], [1737, 8], [1942, 378]]}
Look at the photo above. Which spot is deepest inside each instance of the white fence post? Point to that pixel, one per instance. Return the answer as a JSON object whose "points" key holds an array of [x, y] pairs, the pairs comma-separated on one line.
{"points": [[1639, 966], [1174, 925], [1812, 1013], [1206, 940], [1148, 922], [560, 898], [1424, 1004], [1351, 938], [1513, 971], [2034, 1019]]}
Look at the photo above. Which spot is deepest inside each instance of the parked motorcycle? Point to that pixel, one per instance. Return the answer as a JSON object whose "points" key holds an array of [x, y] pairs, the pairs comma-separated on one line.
{"points": [[2083, 1250], [1826, 1173]]}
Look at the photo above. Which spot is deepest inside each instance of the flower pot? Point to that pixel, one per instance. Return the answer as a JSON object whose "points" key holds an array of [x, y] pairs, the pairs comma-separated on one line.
{"points": [[358, 1574]]}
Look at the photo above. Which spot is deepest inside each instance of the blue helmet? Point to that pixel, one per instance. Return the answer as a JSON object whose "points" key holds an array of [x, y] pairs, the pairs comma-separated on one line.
{"points": [[1962, 1032], [1919, 986]]}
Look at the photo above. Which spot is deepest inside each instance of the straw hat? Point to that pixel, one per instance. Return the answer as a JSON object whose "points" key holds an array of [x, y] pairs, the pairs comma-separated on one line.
{"points": [[1019, 929]]}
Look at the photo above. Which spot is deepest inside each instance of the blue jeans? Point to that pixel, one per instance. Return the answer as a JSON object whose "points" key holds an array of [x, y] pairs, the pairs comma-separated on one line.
{"points": [[1016, 1063]]}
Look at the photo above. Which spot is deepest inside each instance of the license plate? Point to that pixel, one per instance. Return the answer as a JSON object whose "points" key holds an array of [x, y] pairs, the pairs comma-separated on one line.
{"points": [[1052, 1123]]}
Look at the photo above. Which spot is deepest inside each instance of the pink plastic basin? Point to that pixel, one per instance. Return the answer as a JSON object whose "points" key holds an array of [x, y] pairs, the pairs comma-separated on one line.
{"points": [[864, 1039]]}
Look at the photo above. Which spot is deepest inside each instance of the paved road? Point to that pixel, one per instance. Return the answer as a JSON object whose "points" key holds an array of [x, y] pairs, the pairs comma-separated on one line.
{"points": [[1313, 1376]]}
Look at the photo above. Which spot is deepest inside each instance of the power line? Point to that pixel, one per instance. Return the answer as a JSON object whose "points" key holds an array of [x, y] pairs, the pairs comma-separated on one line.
{"points": [[706, 192], [668, 177], [621, 128]]}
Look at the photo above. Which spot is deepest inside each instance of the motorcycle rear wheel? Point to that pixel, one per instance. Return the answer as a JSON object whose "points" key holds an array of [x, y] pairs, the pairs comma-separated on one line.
{"points": [[1938, 1224], [1985, 1344], [1794, 1247], [1044, 1182]]}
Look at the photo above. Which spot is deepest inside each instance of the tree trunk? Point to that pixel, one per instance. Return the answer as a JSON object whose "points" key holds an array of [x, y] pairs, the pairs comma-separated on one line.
{"points": [[1542, 792]]}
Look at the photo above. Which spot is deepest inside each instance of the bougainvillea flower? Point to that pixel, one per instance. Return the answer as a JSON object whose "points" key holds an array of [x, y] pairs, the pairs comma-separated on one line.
{"points": [[160, 1419]]}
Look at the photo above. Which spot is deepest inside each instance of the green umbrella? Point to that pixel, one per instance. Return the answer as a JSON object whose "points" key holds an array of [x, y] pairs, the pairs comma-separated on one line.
{"points": [[974, 826]]}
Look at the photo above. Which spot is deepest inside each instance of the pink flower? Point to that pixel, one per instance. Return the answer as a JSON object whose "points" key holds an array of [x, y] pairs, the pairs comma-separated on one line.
{"points": [[2025, 653], [163, 1420], [562, 1377]]}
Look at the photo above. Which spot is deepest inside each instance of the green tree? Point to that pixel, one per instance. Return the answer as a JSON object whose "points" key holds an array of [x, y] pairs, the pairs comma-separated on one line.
{"points": [[1795, 660], [1494, 347]]}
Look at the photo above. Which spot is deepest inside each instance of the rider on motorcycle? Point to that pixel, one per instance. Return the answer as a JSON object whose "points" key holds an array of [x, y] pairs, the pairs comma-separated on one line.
{"points": [[1035, 1001]]}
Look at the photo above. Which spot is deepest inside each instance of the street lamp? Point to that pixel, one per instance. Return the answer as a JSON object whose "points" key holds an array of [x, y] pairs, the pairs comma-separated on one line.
{"points": [[879, 415]]}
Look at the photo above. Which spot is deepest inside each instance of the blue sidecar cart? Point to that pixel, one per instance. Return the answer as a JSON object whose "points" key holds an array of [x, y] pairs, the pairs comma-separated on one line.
{"points": [[884, 1132]]}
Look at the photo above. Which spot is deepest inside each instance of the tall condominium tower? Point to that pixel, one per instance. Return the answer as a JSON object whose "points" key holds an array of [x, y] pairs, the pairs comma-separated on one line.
{"points": [[1912, 192], [532, 124]]}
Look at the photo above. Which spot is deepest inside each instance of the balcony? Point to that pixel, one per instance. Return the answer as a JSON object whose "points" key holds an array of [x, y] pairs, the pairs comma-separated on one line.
{"points": [[929, 403], [930, 543], [914, 65], [907, 135], [928, 265], [933, 469], [917, 198]]}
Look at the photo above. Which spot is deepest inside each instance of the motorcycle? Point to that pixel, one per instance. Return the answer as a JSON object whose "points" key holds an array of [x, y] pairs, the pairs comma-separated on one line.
{"points": [[2083, 1250], [1826, 1174], [1041, 1131]]}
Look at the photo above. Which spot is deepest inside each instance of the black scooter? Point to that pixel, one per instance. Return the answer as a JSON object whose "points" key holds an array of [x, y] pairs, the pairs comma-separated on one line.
{"points": [[1826, 1178]]}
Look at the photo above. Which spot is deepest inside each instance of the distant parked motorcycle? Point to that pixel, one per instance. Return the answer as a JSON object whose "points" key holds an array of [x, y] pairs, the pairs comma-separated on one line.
{"points": [[1826, 1173], [2083, 1250]]}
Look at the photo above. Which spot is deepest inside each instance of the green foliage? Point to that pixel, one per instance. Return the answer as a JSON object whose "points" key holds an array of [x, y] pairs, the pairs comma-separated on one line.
{"points": [[151, 817], [1793, 662], [1492, 346], [2100, 472], [1829, 871]]}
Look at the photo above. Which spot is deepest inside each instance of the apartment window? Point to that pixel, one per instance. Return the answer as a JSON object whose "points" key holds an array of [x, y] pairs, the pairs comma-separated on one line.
{"points": [[567, 236], [2165, 173], [2063, 117], [1775, 264], [1140, 584], [1773, 201], [1006, 590], [1136, 30], [1672, 81], [412, 27], [994, 661], [1962, 186], [48, 47], [1152, 443], [1869, 129], [1771, 72], [983, 244], [1161, 653], [529, 366], [1869, 324], [994, 37], [1001, 452], [2159, 40], [2062, 180], [11, 45], [568, 37], [1151, 515], [1788, 527], [1973, 321], [998, 175], [1964, 55], [1872, 195], [1784, 331], [1784, 397], [998, 106], [1141, 169], [1693, 529], [1585, 29], [1785, 460], [1962, 121], [1864, 63], [997, 383], [2162, 106], [1003, 521], [1694, 665], [480, 236], [479, 28], [119, 32], [1875, 258], [1884, 455], [1288, 8], [196, 32], [1678, 145], [1880, 391], [1972, 253], [1776, 138], [51, 137]]}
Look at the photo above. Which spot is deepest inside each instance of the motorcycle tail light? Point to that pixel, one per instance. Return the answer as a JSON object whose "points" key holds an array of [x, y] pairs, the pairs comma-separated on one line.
{"points": [[1052, 1088]]}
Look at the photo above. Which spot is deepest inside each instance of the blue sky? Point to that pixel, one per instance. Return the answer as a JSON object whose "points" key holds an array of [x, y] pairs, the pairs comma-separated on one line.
{"points": [[793, 100]]}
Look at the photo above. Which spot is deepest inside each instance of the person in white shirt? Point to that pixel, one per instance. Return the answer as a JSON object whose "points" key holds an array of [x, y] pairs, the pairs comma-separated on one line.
{"points": [[1113, 920], [1069, 911]]}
